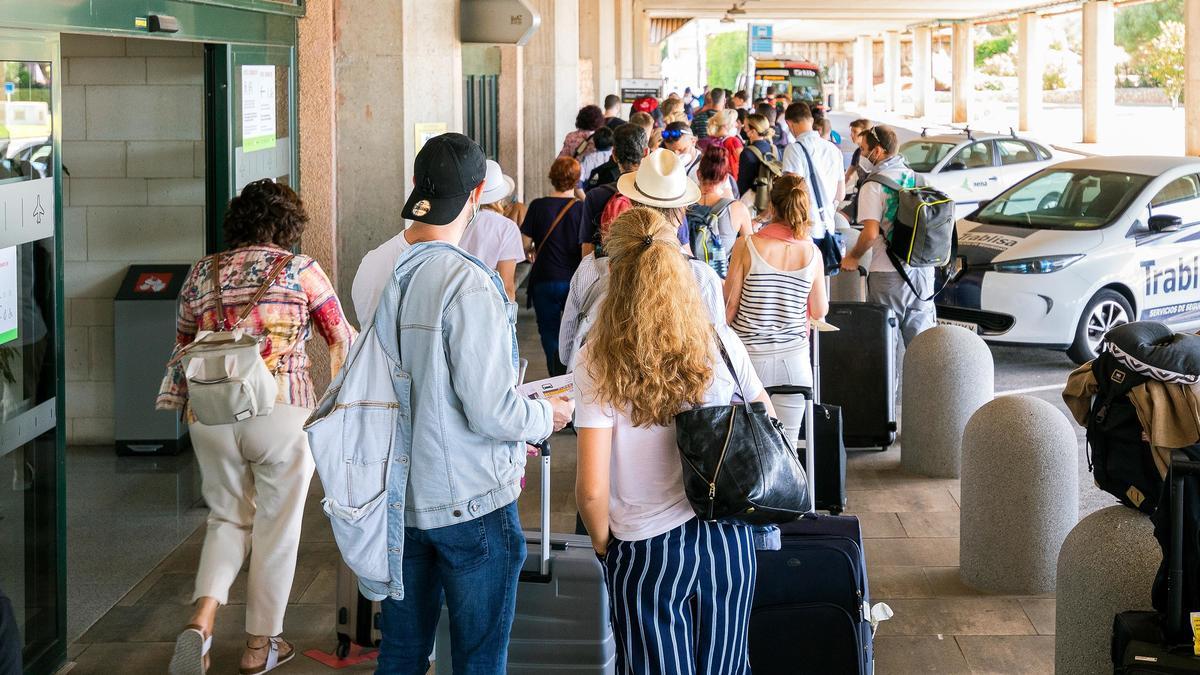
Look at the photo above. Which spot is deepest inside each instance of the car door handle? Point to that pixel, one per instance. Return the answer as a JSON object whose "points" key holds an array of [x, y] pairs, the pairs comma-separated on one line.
{"points": [[993, 178]]}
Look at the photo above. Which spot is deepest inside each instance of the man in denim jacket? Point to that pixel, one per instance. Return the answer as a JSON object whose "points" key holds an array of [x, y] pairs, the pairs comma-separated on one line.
{"points": [[462, 537]]}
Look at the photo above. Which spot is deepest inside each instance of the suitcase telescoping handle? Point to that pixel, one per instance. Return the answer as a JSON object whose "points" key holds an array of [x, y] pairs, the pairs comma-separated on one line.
{"points": [[544, 544], [1181, 466]]}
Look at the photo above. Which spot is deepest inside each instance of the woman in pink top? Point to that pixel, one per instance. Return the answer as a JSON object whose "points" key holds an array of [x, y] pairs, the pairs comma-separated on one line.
{"points": [[255, 472], [680, 588], [578, 143]]}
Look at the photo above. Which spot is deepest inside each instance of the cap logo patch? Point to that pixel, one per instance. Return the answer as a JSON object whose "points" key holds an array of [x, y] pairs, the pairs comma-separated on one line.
{"points": [[421, 208]]}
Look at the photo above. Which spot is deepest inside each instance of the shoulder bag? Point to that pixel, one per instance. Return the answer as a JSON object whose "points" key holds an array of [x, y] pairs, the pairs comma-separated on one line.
{"points": [[737, 462]]}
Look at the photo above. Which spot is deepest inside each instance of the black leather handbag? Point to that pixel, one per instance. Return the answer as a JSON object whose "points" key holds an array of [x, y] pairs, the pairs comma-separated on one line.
{"points": [[738, 464]]}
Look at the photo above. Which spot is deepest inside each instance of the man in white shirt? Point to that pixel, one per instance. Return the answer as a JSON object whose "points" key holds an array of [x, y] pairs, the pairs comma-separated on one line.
{"points": [[817, 161], [373, 275]]}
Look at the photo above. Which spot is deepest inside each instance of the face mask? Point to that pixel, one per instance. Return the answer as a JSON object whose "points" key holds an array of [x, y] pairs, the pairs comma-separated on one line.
{"points": [[866, 163]]}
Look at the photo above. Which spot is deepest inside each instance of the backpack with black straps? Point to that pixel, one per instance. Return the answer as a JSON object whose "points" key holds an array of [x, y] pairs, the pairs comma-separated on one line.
{"points": [[923, 231], [1119, 452], [769, 168], [705, 233]]}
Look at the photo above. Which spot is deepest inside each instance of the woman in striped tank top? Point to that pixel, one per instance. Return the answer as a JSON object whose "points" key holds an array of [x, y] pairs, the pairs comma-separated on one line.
{"points": [[774, 286]]}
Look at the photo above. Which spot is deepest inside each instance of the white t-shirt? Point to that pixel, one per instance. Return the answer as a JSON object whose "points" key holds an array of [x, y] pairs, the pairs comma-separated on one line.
{"points": [[493, 238], [373, 275], [646, 479], [873, 202], [827, 163]]}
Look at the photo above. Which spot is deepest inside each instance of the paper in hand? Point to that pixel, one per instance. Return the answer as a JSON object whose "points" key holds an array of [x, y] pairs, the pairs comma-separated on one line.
{"points": [[563, 385]]}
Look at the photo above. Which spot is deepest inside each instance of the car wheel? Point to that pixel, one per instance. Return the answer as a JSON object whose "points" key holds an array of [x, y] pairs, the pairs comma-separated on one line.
{"points": [[1107, 310]]}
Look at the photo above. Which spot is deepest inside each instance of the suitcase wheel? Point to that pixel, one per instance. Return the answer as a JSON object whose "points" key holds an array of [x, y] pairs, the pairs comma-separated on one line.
{"points": [[343, 646]]}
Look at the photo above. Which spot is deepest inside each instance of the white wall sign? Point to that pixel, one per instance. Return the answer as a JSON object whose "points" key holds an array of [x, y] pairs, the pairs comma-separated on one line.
{"points": [[26, 211], [8, 294], [258, 107]]}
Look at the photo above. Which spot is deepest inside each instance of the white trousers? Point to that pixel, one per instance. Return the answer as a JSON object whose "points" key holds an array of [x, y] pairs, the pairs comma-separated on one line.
{"points": [[255, 480]]}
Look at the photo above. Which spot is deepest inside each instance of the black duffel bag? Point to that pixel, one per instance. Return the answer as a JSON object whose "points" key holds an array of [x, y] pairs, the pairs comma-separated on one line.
{"points": [[738, 464]]}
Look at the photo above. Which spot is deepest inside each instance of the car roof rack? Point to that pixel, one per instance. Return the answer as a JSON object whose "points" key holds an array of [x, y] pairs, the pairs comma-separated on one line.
{"points": [[1011, 132]]}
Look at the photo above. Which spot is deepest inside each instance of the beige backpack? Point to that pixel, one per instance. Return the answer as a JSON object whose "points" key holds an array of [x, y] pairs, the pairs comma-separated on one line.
{"points": [[228, 381]]}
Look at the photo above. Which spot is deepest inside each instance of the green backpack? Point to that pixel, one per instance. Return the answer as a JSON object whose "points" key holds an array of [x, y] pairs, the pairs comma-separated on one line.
{"points": [[769, 168]]}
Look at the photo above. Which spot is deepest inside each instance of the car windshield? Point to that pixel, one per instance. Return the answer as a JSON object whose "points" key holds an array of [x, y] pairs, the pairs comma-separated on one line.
{"points": [[923, 155], [1064, 199], [806, 86]]}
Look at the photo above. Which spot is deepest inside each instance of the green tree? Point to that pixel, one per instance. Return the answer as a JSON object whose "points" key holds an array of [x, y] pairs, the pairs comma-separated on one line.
{"points": [[1164, 58], [726, 59], [1136, 26]]}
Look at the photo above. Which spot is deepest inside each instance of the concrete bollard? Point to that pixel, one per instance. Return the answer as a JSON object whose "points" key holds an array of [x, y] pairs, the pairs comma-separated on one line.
{"points": [[1020, 495], [1106, 566], [948, 375]]}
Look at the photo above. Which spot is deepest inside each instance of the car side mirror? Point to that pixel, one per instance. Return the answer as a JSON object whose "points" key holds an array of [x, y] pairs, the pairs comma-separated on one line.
{"points": [[1165, 223], [955, 166]]}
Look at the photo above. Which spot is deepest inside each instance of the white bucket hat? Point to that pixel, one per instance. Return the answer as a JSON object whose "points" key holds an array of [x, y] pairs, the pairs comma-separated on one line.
{"points": [[661, 181], [496, 185]]}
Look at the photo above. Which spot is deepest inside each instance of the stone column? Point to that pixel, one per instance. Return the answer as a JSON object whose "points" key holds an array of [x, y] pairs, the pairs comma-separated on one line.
{"points": [[625, 44], [1029, 71], [397, 63], [922, 70], [864, 71], [551, 88], [641, 42], [512, 114], [962, 87], [891, 68], [1099, 85], [1191, 90], [598, 43]]}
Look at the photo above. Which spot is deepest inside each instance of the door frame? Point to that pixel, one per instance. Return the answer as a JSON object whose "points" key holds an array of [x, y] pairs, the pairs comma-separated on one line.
{"points": [[35, 45]]}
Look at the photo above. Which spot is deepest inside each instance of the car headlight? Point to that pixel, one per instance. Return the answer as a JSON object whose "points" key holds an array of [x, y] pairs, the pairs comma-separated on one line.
{"points": [[1042, 265]]}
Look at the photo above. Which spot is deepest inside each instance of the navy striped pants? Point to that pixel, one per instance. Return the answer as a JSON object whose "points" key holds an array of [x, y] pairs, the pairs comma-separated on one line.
{"points": [[681, 601]]}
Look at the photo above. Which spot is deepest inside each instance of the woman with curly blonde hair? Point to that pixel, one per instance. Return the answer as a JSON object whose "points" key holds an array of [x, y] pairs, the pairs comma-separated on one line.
{"points": [[680, 588]]}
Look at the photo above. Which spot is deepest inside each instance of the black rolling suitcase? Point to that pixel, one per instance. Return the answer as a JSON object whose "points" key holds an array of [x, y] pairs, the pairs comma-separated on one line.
{"points": [[811, 601], [830, 484], [859, 362], [1145, 642], [358, 619], [562, 623]]}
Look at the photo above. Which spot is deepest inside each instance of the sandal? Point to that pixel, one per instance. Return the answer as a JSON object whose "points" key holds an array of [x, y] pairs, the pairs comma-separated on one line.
{"points": [[191, 652], [274, 660]]}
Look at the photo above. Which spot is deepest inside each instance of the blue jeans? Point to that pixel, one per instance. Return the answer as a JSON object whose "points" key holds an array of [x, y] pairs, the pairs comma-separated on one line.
{"points": [[475, 566], [549, 300]]}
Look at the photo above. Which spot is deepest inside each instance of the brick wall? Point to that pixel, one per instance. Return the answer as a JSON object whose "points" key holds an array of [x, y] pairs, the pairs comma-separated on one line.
{"points": [[133, 123]]}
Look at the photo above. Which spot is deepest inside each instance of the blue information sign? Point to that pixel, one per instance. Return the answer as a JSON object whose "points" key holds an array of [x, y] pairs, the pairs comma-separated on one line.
{"points": [[762, 38], [10, 87]]}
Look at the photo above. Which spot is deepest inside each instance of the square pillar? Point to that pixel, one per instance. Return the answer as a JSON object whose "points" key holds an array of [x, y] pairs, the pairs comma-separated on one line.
{"points": [[551, 89], [863, 71], [511, 120], [922, 70], [1029, 71], [642, 57], [1099, 79], [625, 44], [962, 46], [891, 68], [1191, 88], [598, 44]]}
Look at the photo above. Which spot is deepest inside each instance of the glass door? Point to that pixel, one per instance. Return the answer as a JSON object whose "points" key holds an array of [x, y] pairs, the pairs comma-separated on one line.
{"points": [[32, 527], [252, 124]]}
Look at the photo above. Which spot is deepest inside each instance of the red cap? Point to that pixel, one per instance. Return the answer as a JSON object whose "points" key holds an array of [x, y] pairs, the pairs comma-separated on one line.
{"points": [[646, 104]]}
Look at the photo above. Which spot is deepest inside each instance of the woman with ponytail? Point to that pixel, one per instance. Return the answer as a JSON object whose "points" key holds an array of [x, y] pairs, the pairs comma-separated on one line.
{"points": [[760, 133], [680, 588], [776, 283]]}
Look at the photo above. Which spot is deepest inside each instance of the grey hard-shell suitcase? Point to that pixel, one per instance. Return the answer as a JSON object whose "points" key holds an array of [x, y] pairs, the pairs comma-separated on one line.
{"points": [[562, 622], [358, 619], [859, 362]]}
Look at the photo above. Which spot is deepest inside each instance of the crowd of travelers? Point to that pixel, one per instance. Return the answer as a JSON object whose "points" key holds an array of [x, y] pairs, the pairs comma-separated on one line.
{"points": [[675, 258]]}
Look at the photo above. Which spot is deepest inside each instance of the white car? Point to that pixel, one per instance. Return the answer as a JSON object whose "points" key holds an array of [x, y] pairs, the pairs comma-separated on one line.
{"points": [[972, 167], [1078, 248]]}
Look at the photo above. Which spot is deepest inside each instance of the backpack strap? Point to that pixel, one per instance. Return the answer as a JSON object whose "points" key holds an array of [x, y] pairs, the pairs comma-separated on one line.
{"points": [[904, 275], [579, 148], [722, 205], [771, 164]]}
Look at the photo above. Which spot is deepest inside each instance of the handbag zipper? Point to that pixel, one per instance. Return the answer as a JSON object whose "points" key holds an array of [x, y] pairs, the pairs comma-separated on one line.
{"points": [[712, 484]]}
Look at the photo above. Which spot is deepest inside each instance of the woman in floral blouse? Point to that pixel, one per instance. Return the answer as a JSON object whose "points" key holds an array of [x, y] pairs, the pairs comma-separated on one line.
{"points": [[255, 472]]}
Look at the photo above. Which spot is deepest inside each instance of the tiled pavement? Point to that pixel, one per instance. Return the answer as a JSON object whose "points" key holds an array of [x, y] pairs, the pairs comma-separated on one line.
{"points": [[911, 529]]}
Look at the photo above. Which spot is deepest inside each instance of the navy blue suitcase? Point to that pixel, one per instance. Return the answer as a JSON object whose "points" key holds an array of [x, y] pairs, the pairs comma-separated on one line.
{"points": [[811, 601]]}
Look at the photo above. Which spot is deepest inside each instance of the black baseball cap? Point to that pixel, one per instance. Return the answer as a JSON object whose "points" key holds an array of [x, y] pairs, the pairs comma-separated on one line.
{"points": [[445, 172]]}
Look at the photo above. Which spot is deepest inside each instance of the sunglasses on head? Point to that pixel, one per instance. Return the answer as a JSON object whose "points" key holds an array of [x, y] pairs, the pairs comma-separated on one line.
{"points": [[674, 134]]}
